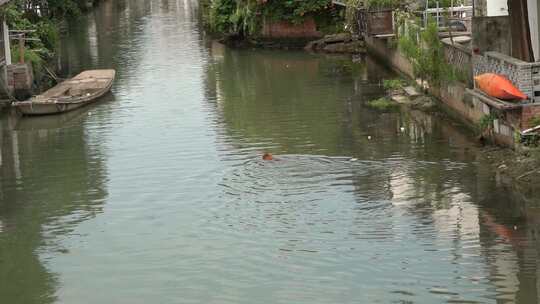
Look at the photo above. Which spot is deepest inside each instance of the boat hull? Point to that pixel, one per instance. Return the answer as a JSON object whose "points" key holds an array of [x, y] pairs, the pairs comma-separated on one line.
{"points": [[46, 109]]}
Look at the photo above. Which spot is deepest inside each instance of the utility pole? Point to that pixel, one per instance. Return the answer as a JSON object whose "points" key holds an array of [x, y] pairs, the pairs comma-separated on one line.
{"points": [[20, 35]]}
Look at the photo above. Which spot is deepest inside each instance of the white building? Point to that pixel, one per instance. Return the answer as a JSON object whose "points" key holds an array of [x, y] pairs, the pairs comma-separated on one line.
{"points": [[533, 9], [497, 8]]}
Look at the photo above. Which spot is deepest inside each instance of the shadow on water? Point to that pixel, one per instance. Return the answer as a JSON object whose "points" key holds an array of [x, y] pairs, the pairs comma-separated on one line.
{"points": [[52, 178]]}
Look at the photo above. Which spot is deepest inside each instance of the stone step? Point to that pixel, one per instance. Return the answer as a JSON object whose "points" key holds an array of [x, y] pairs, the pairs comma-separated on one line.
{"points": [[411, 91], [401, 99]]}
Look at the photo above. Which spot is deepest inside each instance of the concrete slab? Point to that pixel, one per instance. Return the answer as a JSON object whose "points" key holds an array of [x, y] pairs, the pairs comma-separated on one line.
{"points": [[458, 39], [411, 91], [401, 99]]}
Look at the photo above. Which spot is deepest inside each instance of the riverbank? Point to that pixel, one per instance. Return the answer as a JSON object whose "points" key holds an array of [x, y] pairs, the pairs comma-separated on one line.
{"points": [[36, 30], [517, 167], [271, 24], [521, 167]]}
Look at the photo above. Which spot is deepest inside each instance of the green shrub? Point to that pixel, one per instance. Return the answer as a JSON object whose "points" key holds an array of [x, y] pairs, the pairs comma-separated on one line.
{"points": [[48, 34], [534, 122], [393, 84], [220, 13], [486, 122], [30, 56], [425, 50], [43, 30]]}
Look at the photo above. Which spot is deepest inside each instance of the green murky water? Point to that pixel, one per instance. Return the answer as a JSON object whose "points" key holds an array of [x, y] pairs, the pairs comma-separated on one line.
{"points": [[157, 193]]}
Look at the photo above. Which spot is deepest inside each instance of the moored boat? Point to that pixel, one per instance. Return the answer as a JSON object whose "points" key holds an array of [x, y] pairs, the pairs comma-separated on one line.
{"points": [[69, 95]]}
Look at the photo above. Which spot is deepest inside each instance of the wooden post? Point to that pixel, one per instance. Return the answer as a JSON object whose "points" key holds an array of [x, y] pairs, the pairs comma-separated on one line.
{"points": [[21, 48]]}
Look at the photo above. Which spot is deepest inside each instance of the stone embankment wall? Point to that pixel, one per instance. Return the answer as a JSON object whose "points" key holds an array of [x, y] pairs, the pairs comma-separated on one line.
{"points": [[20, 79], [387, 54], [453, 95]]}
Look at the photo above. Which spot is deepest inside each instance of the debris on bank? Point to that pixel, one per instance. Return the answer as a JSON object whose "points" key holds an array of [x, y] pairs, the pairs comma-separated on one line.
{"points": [[398, 93], [343, 43], [521, 167]]}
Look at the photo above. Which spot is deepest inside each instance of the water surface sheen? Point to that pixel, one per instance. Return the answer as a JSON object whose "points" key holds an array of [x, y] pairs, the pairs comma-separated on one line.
{"points": [[157, 194]]}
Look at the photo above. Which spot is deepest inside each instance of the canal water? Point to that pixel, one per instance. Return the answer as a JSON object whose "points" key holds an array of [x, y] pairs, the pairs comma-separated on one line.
{"points": [[158, 194]]}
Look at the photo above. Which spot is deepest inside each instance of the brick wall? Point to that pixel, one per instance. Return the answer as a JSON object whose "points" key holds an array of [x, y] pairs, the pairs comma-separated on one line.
{"points": [[285, 29], [529, 112]]}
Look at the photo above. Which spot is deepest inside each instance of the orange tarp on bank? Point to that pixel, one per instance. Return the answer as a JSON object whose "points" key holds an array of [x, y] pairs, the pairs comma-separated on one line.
{"points": [[499, 87]]}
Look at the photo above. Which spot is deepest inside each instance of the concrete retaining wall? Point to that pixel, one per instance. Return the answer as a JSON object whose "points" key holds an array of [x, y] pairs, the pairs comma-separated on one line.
{"points": [[452, 96], [388, 55], [492, 34]]}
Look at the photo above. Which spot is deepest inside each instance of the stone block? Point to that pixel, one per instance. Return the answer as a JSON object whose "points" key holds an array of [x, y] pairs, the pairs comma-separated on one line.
{"points": [[342, 37], [20, 80]]}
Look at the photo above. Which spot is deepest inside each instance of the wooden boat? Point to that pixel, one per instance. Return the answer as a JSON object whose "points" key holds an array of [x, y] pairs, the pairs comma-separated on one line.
{"points": [[70, 94]]}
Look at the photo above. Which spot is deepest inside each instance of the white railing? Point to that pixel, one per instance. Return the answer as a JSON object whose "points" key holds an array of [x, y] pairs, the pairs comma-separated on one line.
{"points": [[454, 12]]}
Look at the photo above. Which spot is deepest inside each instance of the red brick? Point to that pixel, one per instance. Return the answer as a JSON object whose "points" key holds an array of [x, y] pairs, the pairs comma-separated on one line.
{"points": [[528, 113], [285, 29]]}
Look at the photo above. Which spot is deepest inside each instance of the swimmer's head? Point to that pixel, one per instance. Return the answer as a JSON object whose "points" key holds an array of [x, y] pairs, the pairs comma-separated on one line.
{"points": [[267, 156]]}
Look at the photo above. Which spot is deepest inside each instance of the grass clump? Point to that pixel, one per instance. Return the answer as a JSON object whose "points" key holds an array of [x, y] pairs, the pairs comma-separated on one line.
{"points": [[486, 122], [382, 104], [393, 84]]}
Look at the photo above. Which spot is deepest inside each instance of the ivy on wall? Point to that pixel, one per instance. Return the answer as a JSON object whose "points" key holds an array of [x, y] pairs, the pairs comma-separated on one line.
{"points": [[244, 17]]}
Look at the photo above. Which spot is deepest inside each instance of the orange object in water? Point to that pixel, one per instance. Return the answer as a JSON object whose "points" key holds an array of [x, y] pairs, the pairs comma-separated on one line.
{"points": [[268, 156], [499, 87]]}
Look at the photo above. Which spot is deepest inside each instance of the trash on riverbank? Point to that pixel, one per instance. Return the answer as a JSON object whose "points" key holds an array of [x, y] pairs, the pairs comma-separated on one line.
{"points": [[522, 166], [344, 43]]}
